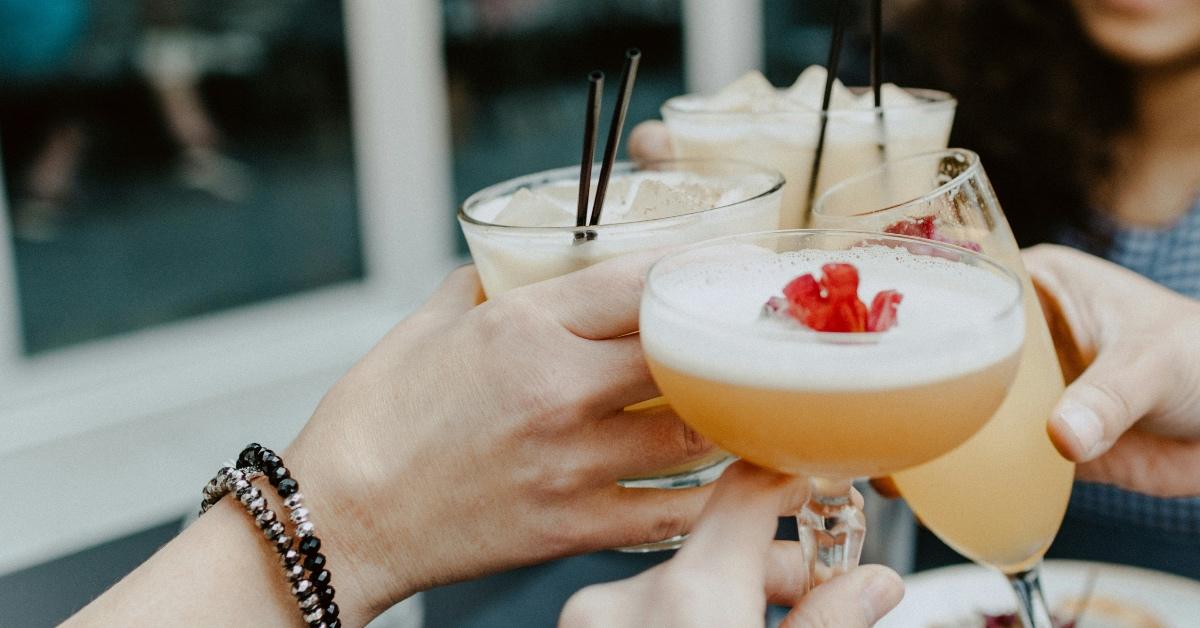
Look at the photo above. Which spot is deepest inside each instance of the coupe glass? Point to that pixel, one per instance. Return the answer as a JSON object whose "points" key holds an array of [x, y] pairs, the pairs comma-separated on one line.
{"points": [[832, 406], [1000, 498]]}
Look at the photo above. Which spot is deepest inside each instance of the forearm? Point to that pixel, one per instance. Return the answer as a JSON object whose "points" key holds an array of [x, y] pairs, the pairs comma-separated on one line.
{"points": [[222, 571], [218, 572]]}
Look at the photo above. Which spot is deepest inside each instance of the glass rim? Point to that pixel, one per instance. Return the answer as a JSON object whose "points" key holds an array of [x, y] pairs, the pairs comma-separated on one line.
{"points": [[932, 99], [798, 333], [974, 168], [510, 186]]}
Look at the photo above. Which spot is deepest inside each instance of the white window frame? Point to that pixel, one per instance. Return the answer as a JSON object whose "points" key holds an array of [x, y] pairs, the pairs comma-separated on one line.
{"points": [[113, 435]]}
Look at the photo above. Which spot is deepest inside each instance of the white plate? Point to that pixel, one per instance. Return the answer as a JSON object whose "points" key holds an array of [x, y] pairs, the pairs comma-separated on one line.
{"points": [[952, 594]]}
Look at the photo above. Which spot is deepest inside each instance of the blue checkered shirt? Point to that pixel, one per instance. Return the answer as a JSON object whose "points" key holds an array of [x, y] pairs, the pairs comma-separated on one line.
{"points": [[1170, 257]]}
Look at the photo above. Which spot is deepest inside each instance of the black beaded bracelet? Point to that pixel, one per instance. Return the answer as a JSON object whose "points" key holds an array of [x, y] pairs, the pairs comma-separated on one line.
{"points": [[325, 612], [310, 579]]}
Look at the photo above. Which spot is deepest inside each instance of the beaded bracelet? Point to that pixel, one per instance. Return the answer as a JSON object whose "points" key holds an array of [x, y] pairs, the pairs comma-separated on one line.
{"points": [[312, 590]]}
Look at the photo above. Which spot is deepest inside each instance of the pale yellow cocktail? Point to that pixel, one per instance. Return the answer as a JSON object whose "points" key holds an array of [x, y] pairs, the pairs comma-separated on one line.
{"points": [[1000, 498], [832, 405]]}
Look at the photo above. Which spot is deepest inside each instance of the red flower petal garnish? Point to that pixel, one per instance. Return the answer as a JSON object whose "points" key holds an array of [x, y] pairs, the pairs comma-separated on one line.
{"points": [[832, 303], [803, 291], [916, 227], [840, 281], [883, 310], [924, 227]]}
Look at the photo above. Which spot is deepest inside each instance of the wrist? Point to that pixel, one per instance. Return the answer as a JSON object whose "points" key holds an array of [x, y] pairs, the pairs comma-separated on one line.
{"points": [[361, 546]]}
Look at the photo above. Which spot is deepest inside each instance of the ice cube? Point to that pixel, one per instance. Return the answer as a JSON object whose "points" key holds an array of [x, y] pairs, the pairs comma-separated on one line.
{"points": [[751, 92], [655, 199], [890, 93], [532, 209], [809, 90], [616, 194], [567, 195], [894, 95]]}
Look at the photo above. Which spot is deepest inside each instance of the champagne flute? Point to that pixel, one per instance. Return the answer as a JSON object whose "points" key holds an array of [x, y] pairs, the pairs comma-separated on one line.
{"points": [[832, 405], [1000, 498]]}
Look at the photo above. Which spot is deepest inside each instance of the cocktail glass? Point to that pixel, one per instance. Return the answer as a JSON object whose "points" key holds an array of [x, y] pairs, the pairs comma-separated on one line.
{"points": [[508, 257], [1000, 498], [832, 406], [855, 139]]}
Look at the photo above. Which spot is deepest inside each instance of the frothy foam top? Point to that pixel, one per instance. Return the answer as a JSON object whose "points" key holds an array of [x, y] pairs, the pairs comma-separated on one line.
{"points": [[751, 107], [702, 315], [622, 202], [753, 93]]}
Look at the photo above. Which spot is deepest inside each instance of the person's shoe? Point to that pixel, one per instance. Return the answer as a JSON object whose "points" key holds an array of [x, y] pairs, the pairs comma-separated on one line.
{"points": [[209, 171]]}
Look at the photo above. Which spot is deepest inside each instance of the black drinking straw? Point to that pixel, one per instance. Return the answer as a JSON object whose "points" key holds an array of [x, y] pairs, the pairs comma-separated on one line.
{"points": [[877, 70], [831, 69], [591, 122], [877, 51], [628, 76]]}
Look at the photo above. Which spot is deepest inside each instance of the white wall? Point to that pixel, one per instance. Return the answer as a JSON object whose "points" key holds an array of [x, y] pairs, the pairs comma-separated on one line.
{"points": [[723, 39]]}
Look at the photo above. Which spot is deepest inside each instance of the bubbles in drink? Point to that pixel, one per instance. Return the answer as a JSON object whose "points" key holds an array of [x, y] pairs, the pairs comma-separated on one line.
{"points": [[949, 324], [656, 199]]}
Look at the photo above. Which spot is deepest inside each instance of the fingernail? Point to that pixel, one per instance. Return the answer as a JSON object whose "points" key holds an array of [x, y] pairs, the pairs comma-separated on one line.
{"points": [[1085, 425], [881, 594]]}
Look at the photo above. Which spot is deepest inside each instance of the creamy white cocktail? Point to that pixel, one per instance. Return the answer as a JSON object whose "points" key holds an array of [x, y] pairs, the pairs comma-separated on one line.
{"points": [[752, 120], [522, 231]]}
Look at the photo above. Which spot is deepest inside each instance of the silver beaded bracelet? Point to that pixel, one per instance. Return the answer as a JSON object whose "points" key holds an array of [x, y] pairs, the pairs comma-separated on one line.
{"points": [[304, 565]]}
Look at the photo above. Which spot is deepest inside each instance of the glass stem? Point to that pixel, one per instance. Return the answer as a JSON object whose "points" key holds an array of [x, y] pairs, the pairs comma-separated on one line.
{"points": [[1031, 604], [832, 528]]}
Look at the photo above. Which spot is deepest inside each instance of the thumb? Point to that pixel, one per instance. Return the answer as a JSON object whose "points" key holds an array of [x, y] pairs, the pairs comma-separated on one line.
{"points": [[459, 292], [1122, 385], [856, 599], [649, 141]]}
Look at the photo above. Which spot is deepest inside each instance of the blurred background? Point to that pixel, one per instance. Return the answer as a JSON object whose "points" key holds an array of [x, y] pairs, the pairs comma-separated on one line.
{"points": [[213, 207]]}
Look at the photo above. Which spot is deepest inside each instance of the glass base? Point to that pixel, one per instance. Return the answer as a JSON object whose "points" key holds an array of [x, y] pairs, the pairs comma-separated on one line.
{"points": [[688, 479], [832, 529], [664, 545], [1031, 603], [691, 479]]}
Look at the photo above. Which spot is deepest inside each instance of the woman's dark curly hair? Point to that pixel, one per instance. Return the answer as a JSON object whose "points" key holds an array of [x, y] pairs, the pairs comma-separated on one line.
{"points": [[1037, 99]]}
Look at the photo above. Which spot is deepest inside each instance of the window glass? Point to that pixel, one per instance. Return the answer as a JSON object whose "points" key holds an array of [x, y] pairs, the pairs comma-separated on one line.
{"points": [[517, 74], [797, 34], [167, 158]]}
